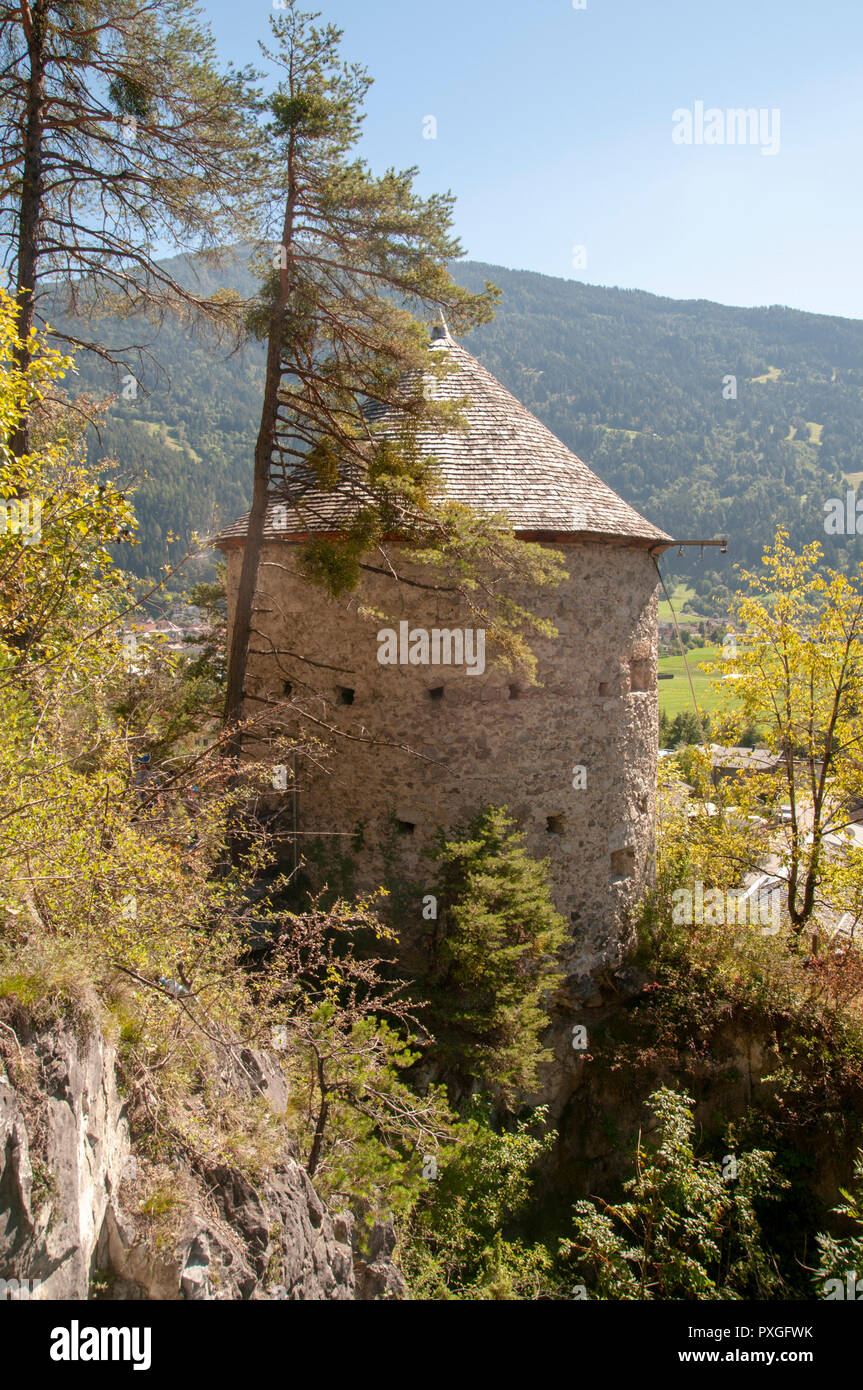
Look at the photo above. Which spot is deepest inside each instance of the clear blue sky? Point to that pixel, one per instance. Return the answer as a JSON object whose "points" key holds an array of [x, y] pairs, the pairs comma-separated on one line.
{"points": [[554, 130]]}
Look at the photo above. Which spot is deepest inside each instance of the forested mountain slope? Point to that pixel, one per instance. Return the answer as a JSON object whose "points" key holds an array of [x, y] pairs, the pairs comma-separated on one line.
{"points": [[639, 386]]}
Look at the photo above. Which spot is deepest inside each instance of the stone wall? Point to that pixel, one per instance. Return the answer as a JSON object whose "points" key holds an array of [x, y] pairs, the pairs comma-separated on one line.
{"points": [[432, 744]]}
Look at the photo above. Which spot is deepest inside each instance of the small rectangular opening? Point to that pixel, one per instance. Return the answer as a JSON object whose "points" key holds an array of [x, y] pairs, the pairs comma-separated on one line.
{"points": [[640, 675], [287, 687], [405, 827], [515, 692], [622, 864], [436, 692], [603, 687], [555, 825], [344, 694]]}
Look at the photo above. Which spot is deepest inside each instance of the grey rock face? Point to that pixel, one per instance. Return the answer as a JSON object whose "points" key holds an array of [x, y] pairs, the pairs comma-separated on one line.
{"points": [[65, 1159], [378, 1278], [63, 1140]]}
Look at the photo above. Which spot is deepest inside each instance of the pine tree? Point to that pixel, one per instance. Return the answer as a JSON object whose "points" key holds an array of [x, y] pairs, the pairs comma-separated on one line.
{"points": [[118, 134], [495, 959], [353, 258]]}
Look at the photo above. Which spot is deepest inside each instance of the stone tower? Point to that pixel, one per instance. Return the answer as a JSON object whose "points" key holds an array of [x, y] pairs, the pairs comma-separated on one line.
{"points": [[574, 759]]}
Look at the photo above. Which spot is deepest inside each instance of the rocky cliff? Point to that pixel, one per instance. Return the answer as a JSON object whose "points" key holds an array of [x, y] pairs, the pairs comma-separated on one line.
{"points": [[73, 1190]]}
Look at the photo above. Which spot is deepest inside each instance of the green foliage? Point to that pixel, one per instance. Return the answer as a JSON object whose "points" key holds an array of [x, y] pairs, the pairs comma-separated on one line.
{"points": [[454, 1244], [148, 143], [121, 906], [494, 957], [714, 989], [841, 1257], [377, 1129], [335, 568], [684, 729], [794, 670], [689, 1227], [706, 974]]}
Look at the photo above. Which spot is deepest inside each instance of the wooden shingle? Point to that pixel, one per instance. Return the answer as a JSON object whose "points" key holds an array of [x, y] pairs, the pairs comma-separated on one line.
{"points": [[505, 461]]}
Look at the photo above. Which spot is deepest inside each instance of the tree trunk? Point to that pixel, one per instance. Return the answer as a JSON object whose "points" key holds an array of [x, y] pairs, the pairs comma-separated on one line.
{"points": [[31, 201], [321, 1124], [242, 618]]}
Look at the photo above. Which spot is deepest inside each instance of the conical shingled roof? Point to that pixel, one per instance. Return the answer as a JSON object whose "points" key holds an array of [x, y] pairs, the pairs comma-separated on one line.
{"points": [[505, 461]]}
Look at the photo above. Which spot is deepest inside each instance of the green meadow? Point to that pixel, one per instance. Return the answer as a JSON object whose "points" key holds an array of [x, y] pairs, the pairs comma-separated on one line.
{"points": [[681, 597], [675, 695]]}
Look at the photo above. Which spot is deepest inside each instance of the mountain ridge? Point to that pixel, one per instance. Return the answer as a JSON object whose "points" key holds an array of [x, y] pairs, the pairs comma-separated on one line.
{"points": [[708, 419]]}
